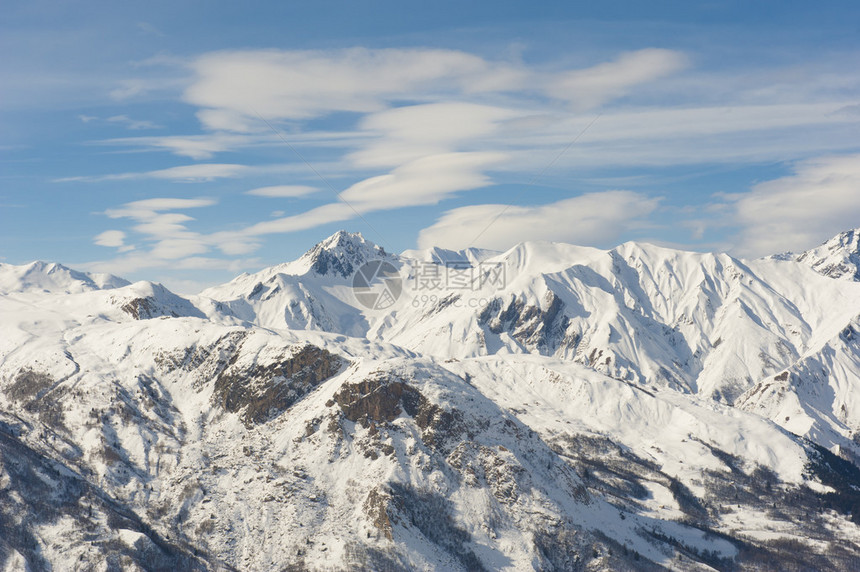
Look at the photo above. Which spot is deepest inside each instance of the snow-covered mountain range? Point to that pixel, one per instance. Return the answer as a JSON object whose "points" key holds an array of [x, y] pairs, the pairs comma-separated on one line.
{"points": [[551, 407]]}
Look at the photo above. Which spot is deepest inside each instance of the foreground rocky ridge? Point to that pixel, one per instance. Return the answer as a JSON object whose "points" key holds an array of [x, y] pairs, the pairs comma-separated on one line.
{"points": [[573, 421]]}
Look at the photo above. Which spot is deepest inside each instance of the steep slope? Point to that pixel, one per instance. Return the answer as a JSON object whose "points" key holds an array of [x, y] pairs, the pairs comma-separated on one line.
{"points": [[313, 292], [818, 395], [837, 258], [216, 440], [551, 407], [701, 323]]}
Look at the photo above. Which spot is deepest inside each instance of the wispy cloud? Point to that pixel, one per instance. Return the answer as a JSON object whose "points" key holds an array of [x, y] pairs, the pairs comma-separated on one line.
{"points": [[113, 239], [133, 124], [407, 133], [196, 147], [591, 87], [148, 206], [148, 28], [165, 236], [423, 181], [201, 172], [135, 262], [239, 85], [425, 125], [234, 88], [801, 210], [591, 218], [123, 120], [166, 231], [282, 191]]}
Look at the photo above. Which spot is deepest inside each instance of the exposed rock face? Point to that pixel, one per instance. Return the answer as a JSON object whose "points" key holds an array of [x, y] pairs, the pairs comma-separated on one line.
{"points": [[262, 392], [341, 254], [375, 400], [147, 300], [143, 309], [532, 326], [837, 258], [204, 361], [380, 401], [239, 440]]}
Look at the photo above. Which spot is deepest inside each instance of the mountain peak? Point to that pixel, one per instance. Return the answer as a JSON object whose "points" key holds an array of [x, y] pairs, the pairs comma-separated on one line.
{"points": [[838, 257], [341, 254], [51, 277]]}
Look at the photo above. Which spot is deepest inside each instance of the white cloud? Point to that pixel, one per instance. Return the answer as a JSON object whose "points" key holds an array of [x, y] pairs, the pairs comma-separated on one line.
{"points": [[681, 136], [594, 86], [133, 124], [410, 132], [164, 225], [334, 212], [130, 88], [229, 120], [147, 208], [199, 173], [801, 210], [440, 142], [193, 146], [282, 191], [683, 123], [432, 123], [135, 262], [168, 236], [111, 238], [427, 180], [166, 232], [234, 88], [176, 248], [238, 85], [589, 219], [423, 181]]}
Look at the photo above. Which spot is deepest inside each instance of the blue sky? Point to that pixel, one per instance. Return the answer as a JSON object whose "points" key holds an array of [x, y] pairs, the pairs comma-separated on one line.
{"points": [[187, 143]]}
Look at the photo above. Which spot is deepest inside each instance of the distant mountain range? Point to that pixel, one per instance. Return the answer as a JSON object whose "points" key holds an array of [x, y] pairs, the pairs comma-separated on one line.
{"points": [[551, 407]]}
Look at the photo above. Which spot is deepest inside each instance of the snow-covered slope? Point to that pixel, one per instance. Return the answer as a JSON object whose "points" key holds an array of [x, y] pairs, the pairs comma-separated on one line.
{"points": [[818, 395], [52, 278], [837, 258], [707, 324], [639, 408], [313, 292]]}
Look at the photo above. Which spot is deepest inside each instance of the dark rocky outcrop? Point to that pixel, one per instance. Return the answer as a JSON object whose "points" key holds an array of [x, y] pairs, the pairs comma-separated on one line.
{"points": [[143, 308], [262, 392], [341, 254], [532, 326], [382, 400]]}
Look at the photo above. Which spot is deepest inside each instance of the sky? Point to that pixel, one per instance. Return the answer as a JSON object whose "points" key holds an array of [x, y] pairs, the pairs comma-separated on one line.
{"points": [[187, 142]]}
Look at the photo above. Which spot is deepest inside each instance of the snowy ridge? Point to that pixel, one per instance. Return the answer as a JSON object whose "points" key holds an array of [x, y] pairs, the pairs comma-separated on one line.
{"points": [[702, 323], [637, 408], [52, 278], [838, 257]]}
